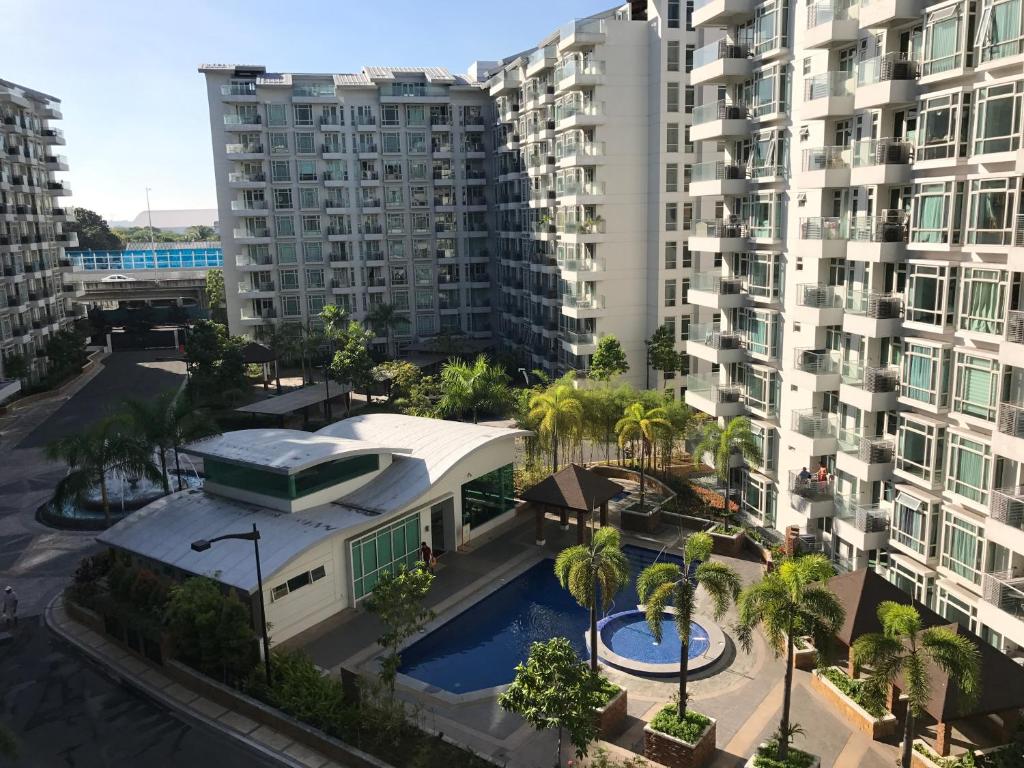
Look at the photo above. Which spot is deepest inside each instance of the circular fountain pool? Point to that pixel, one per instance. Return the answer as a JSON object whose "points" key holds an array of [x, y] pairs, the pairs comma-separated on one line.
{"points": [[626, 641]]}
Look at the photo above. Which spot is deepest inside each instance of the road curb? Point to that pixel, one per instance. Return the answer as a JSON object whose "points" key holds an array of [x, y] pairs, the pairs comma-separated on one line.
{"points": [[169, 703]]}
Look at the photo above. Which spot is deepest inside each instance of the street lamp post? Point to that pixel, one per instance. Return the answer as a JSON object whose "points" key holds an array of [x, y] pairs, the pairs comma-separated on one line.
{"points": [[202, 545]]}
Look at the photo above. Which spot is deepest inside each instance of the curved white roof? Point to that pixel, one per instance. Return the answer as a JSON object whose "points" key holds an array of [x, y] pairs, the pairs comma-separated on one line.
{"points": [[282, 450]]}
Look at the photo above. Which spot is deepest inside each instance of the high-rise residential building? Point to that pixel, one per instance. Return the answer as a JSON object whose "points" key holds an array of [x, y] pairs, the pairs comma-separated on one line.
{"points": [[355, 190], [859, 256], [32, 238], [538, 201]]}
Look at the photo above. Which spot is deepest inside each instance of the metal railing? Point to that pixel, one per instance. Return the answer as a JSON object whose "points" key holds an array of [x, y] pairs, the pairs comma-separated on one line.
{"points": [[825, 158], [814, 424], [881, 152], [816, 361], [712, 335], [1018, 231], [1007, 506], [711, 387], [1005, 590], [717, 51], [889, 227], [879, 306], [867, 518], [719, 110], [724, 228], [818, 296], [251, 232], [829, 10], [871, 378], [823, 228], [1011, 419], [827, 84], [870, 450], [712, 283], [1015, 326], [583, 302], [716, 170], [891, 66], [810, 488], [574, 337]]}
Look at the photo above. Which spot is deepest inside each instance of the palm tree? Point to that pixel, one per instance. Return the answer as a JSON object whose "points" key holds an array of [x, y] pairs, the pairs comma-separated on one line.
{"points": [[789, 599], [587, 568], [903, 651], [466, 387], [382, 318], [643, 424], [664, 584], [281, 341], [558, 413], [166, 422], [736, 438], [104, 447]]}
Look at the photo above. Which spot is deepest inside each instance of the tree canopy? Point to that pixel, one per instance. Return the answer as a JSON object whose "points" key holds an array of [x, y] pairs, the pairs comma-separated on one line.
{"points": [[661, 352], [609, 359], [352, 362], [93, 232]]}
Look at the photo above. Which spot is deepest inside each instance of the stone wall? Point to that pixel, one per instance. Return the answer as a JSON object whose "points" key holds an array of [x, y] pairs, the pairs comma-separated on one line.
{"points": [[853, 714], [730, 546], [676, 753], [611, 717]]}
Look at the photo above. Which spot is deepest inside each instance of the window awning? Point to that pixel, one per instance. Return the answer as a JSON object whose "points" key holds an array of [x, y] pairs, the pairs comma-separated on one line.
{"points": [[905, 499]]}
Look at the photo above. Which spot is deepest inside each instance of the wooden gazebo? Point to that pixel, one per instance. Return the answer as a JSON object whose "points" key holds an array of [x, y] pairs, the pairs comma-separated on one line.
{"points": [[573, 489]]}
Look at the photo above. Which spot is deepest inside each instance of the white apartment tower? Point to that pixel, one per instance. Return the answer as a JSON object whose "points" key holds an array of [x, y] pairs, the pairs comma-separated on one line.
{"points": [[859, 251], [355, 190], [32, 240]]}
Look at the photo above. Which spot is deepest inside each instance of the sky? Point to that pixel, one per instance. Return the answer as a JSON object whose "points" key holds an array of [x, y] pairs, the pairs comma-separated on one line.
{"points": [[134, 104]]}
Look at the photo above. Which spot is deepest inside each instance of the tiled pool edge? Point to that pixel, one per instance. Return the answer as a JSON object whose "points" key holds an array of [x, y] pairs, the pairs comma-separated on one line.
{"points": [[716, 640]]}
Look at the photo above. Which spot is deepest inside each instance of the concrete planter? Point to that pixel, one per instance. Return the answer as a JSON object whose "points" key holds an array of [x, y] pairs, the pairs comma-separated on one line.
{"points": [[805, 658], [611, 716], [918, 760], [762, 552], [676, 753], [853, 713], [750, 762], [728, 545], [84, 615]]}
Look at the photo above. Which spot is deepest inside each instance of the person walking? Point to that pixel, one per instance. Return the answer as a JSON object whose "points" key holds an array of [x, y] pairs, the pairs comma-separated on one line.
{"points": [[10, 607], [427, 555]]}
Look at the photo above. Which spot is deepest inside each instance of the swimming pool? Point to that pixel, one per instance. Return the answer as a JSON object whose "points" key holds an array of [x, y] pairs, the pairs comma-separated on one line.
{"points": [[480, 647]]}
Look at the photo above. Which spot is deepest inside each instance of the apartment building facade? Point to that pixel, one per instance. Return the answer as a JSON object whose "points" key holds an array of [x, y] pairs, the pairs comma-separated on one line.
{"points": [[32, 236], [356, 190], [860, 244]]}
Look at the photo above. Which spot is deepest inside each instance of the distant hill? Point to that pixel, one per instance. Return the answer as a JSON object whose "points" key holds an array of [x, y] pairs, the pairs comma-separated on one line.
{"points": [[173, 220]]}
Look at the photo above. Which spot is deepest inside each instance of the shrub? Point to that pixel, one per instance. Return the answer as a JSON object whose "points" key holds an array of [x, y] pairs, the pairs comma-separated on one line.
{"points": [[602, 759], [765, 757], [856, 690], [88, 576], [608, 689], [689, 729]]}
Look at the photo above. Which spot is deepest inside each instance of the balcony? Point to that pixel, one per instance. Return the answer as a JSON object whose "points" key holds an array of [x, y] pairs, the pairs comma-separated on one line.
{"points": [[881, 162], [1008, 440], [246, 262], [720, 13], [1003, 591], [831, 24], [243, 122], [582, 306], [258, 316], [815, 431], [244, 151], [244, 180], [238, 91], [579, 153], [252, 234], [873, 314], [816, 370], [878, 239], [818, 304], [720, 63], [823, 237], [249, 290], [868, 387], [827, 95], [862, 524], [811, 497], [716, 292], [876, 14], [1013, 344], [580, 33], [709, 342], [886, 81], [579, 115], [719, 120], [573, 74], [869, 459], [718, 235], [718, 178], [708, 395], [825, 167], [250, 207]]}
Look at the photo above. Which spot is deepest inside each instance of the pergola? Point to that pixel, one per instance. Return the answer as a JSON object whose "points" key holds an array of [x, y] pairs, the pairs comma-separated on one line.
{"points": [[573, 489], [301, 399], [1002, 681]]}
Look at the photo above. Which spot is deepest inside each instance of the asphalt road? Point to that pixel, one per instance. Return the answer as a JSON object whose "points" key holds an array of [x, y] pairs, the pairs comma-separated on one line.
{"points": [[64, 712]]}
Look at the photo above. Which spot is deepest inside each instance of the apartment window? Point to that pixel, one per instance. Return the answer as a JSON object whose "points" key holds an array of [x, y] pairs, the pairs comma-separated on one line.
{"points": [[997, 111], [312, 253], [670, 293], [672, 56], [938, 211], [315, 304], [391, 142], [389, 115], [670, 255], [415, 114], [1000, 31], [286, 253], [424, 299], [279, 143], [400, 275], [673, 14], [280, 170], [284, 226], [672, 137], [943, 127], [991, 210], [290, 306], [689, 15], [982, 299], [684, 290], [962, 546], [925, 375], [762, 213], [311, 225], [931, 294], [687, 144], [688, 60], [689, 96], [400, 300], [314, 278], [309, 197], [418, 170], [768, 92], [396, 249], [307, 170], [304, 143], [761, 330], [395, 223], [977, 384], [393, 197], [953, 608], [763, 274], [684, 328], [672, 97], [277, 115], [686, 261], [672, 177], [417, 142], [758, 497], [915, 524], [806, 66], [763, 390], [303, 114], [283, 199], [970, 463], [289, 279], [671, 217], [920, 448], [943, 39]]}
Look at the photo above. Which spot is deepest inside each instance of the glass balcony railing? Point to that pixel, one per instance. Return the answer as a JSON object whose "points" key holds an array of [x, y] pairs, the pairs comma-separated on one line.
{"points": [[828, 84], [890, 227], [864, 516], [828, 11], [250, 232], [879, 306], [871, 450], [723, 228], [810, 487], [709, 386], [582, 302], [716, 170], [816, 361], [238, 89], [891, 66], [581, 26], [823, 228], [722, 286], [314, 90], [871, 152], [574, 337], [570, 67], [712, 335], [825, 158], [718, 51], [719, 110], [815, 424], [818, 296], [242, 119], [870, 378], [244, 149]]}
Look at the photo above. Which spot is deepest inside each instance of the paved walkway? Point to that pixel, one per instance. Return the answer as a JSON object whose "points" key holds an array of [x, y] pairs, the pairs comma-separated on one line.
{"points": [[267, 743]]}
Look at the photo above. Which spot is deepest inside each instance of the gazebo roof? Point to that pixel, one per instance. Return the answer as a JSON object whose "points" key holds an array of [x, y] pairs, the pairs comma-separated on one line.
{"points": [[254, 353], [575, 488], [860, 592]]}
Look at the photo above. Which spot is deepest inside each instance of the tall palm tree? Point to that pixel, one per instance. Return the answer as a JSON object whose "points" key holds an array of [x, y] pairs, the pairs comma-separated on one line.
{"points": [[166, 422], [664, 584], [643, 424], [586, 569], [470, 388], [736, 438], [382, 318], [903, 651], [789, 599], [558, 413], [104, 447]]}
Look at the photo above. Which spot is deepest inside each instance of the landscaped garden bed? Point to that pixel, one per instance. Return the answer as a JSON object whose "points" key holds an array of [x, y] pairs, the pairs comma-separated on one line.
{"points": [[851, 699], [765, 757], [729, 540], [612, 715], [805, 655], [680, 744], [1006, 756]]}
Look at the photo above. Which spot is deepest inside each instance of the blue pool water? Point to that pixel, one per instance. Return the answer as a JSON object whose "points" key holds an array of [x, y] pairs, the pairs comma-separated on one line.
{"points": [[630, 636], [480, 647]]}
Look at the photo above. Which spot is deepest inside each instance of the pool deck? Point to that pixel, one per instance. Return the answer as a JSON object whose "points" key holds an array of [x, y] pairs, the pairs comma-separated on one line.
{"points": [[745, 696]]}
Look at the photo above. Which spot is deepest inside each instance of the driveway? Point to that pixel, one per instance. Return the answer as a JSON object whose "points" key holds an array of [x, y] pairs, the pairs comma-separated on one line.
{"points": [[65, 712]]}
